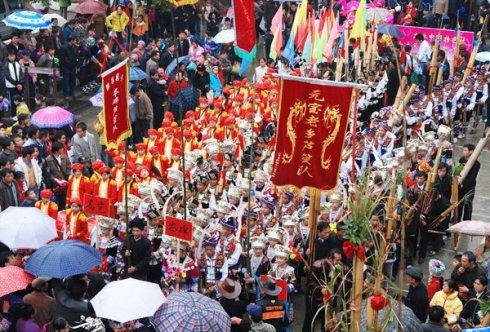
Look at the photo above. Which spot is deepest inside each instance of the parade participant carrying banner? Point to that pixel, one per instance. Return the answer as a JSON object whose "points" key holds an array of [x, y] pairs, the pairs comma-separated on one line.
{"points": [[116, 103], [244, 14], [310, 135]]}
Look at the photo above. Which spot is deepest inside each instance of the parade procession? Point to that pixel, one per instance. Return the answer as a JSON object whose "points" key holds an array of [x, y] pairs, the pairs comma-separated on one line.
{"points": [[258, 166]]}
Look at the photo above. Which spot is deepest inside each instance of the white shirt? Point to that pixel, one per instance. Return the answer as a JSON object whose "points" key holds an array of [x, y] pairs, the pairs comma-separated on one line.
{"points": [[260, 73], [424, 53]]}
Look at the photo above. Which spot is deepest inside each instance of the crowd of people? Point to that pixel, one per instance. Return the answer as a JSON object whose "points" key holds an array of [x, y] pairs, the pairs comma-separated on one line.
{"points": [[202, 150]]}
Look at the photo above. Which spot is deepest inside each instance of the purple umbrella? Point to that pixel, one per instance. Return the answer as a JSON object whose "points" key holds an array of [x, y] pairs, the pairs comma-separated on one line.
{"points": [[52, 117]]}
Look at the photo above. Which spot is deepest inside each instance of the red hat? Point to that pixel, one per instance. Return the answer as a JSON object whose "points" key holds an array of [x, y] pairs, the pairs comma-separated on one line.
{"points": [[190, 114], [226, 91], [187, 133], [212, 118], [176, 151], [77, 167], [169, 130], [46, 193], [239, 98], [237, 83], [169, 115], [203, 100], [104, 169], [96, 165], [187, 122], [76, 200], [140, 146], [229, 121], [154, 150], [166, 123], [217, 105], [152, 132], [118, 160], [121, 145]]}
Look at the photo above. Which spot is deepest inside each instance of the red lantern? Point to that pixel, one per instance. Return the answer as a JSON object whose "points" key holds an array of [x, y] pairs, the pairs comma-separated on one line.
{"points": [[378, 302]]}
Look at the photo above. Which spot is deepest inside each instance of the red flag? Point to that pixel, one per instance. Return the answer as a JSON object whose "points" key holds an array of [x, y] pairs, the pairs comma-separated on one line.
{"points": [[245, 24], [311, 130], [116, 103], [96, 205], [179, 228]]}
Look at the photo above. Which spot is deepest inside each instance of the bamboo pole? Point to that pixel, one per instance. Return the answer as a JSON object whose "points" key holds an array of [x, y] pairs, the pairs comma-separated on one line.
{"points": [[433, 66], [440, 71], [399, 94], [408, 95], [374, 50], [346, 59], [312, 222], [454, 200], [357, 284], [474, 156], [368, 52], [471, 62]]}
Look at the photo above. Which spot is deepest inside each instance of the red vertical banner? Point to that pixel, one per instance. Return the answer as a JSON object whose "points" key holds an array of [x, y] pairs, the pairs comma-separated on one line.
{"points": [[116, 103], [313, 118], [244, 24]]}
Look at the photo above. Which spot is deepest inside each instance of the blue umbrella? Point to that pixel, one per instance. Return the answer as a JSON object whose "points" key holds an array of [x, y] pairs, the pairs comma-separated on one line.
{"points": [[27, 20], [62, 259], [137, 74], [173, 65], [390, 30]]}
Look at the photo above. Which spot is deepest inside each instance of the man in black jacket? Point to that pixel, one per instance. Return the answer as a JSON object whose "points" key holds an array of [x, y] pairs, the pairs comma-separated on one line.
{"points": [[436, 319], [137, 251], [465, 274], [469, 184], [9, 196], [201, 80], [444, 180], [157, 94], [417, 298], [68, 65], [472, 307]]}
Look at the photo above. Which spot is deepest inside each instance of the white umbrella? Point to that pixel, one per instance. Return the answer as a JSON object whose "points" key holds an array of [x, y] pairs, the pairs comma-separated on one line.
{"points": [[61, 20], [27, 20], [26, 227], [377, 14], [225, 36], [471, 227], [483, 56], [128, 299]]}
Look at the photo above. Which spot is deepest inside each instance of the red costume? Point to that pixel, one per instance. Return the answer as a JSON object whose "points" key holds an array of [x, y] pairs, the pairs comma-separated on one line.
{"points": [[76, 224]]}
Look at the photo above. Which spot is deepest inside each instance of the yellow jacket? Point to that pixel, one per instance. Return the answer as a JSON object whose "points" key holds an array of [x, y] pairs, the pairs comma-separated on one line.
{"points": [[451, 303], [22, 109], [117, 22]]}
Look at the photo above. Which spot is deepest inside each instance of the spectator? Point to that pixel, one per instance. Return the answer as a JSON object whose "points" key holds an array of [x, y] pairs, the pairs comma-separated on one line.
{"points": [[471, 310], [144, 113], [8, 149], [417, 298], [448, 299], [261, 70], [195, 51], [64, 4], [68, 64], [15, 46], [60, 325], [57, 171], [116, 22], [168, 56], [436, 269], [68, 32], [70, 299], [84, 144], [26, 323], [14, 77], [465, 274], [9, 195], [29, 166], [152, 63], [157, 94], [182, 44], [137, 250], [201, 80], [436, 320], [29, 199]]}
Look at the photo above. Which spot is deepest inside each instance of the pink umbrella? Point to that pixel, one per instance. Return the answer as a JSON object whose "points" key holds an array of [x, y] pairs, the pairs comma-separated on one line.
{"points": [[91, 7], [12, 279], [52, 117], [471, 227]]}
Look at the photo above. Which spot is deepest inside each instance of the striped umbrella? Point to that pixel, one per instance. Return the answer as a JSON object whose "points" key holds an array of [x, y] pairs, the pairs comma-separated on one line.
{"points": [[27, 20], [12, 279], [188, 312]]}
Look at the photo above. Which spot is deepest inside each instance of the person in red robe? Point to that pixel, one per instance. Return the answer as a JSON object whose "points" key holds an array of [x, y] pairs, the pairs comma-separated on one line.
{"points": [[105, 187], [46, 205], [76, 222], [78, 184]]}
